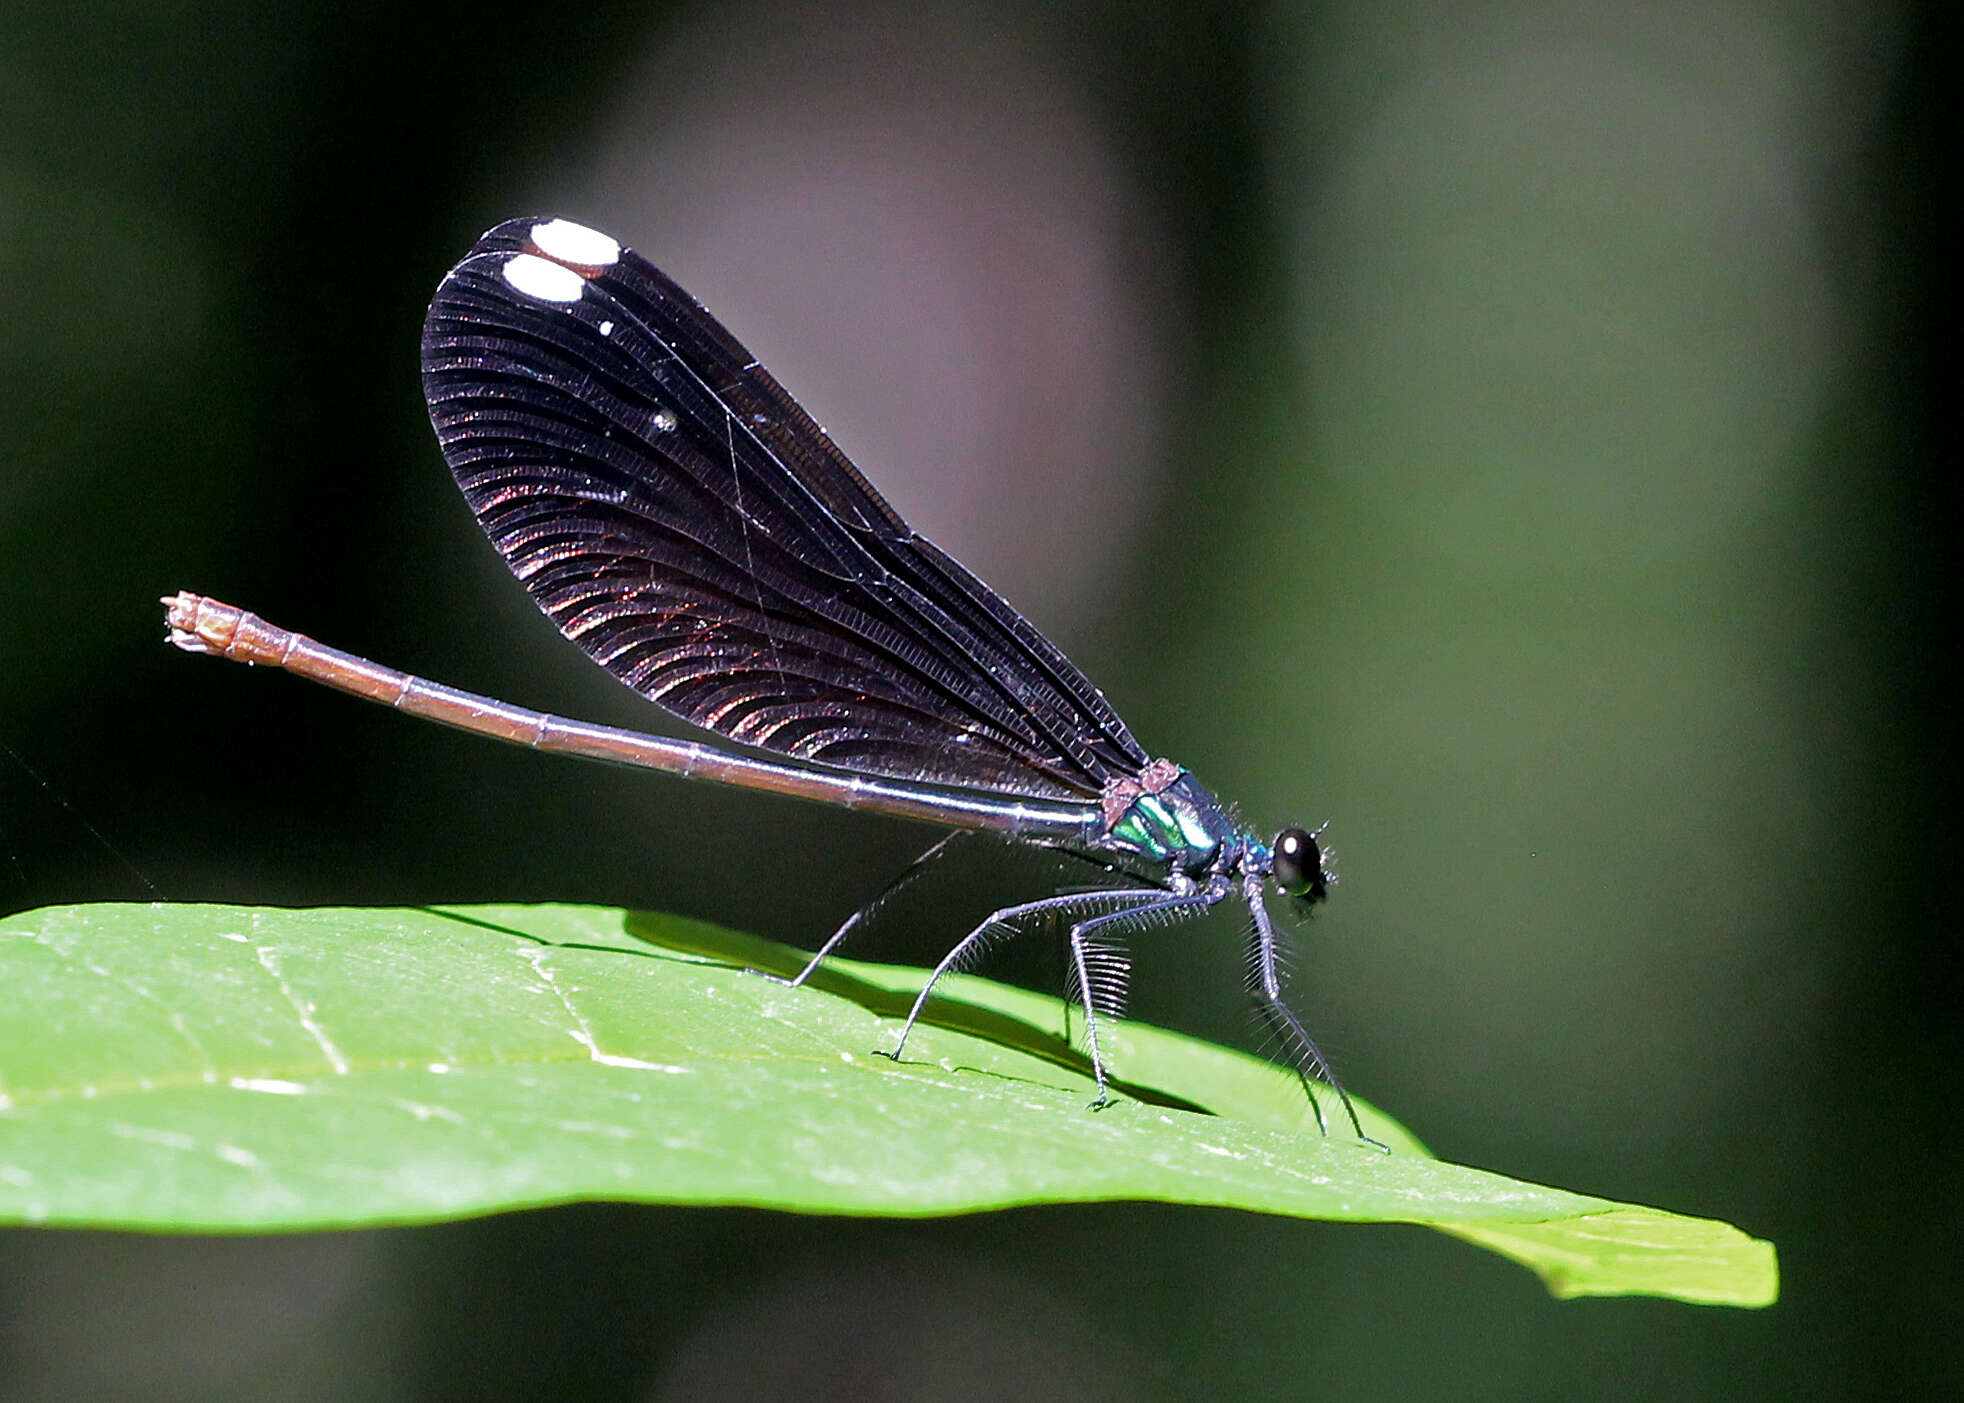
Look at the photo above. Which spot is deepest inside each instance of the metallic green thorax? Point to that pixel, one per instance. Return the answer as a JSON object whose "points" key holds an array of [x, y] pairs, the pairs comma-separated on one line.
{"points": [[1167, 818], [1156, 828]]}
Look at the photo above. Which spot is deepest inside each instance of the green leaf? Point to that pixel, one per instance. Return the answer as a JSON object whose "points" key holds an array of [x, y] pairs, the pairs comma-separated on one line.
{"points": [[210, 1068]]}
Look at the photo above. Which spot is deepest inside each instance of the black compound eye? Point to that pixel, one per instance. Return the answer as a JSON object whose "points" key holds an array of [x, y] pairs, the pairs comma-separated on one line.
{"points": [[1298, 866]]}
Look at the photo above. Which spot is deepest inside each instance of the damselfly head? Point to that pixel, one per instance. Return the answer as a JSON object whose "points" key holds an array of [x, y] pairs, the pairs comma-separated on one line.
{"points": [[1298, 866]]}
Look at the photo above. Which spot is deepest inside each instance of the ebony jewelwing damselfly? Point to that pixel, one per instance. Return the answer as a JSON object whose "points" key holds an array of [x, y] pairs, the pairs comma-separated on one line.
{"points": [[683, 520]]}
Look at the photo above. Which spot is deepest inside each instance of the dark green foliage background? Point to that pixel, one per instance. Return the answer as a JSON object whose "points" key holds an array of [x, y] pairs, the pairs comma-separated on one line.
{"points": [[219, 225]]}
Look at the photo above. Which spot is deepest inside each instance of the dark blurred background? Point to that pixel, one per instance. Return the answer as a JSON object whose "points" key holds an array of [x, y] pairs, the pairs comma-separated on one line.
{"points": [[1508, 432]]}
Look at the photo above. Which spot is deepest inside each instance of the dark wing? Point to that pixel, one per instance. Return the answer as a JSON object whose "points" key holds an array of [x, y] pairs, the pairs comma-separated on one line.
{"points": [[679, 517]]}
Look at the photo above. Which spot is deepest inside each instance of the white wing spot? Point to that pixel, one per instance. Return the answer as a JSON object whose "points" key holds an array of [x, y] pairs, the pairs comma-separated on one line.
{"points": [[575, 243], [543, 280]]}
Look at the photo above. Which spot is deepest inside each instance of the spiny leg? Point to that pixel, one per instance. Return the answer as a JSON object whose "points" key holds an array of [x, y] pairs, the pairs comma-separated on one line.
{"points": [[1162, 911], [1265, 983], [998, 924], [884, 895]]}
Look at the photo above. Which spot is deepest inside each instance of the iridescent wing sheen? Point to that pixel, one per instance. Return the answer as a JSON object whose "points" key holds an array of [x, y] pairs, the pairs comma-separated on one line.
{"points": [[684, 521]]}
